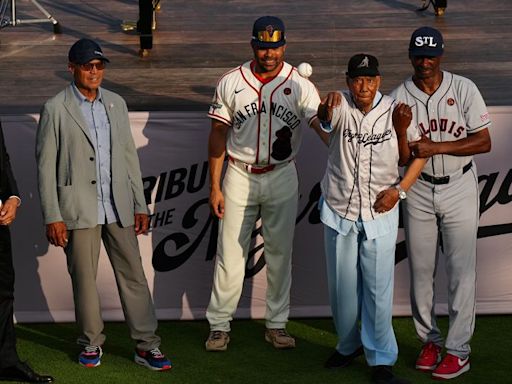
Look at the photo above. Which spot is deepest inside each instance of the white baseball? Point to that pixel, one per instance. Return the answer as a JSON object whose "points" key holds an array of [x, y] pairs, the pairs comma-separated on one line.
{"points": [[305, 69]]}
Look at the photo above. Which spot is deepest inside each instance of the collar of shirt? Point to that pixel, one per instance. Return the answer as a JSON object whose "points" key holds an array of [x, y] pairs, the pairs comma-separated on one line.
{"points": [[376, 99], [263, 80], [82, 99]]}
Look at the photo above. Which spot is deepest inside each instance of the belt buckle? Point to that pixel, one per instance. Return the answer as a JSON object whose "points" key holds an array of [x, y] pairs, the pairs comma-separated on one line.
{"points": [[249, 168], [442, 180], [259, 170]]}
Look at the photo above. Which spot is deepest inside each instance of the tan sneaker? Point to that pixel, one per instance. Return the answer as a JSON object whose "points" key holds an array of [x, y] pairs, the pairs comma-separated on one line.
{"points": [[217, 341], [279, 338]]}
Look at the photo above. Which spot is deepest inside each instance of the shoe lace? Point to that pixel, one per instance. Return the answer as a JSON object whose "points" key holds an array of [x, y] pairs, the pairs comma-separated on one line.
{"points": [[281, 332], [91, 349], [216, 335], [156, 353], [429, 349], [449, 360]]}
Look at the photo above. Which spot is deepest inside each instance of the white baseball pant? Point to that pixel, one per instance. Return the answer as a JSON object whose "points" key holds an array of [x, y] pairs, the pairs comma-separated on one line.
{"points": [[274, 196]]}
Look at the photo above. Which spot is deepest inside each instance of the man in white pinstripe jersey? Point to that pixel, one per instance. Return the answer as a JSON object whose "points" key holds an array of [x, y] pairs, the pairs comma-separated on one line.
{"points": [[359, 209], [257, 115]]}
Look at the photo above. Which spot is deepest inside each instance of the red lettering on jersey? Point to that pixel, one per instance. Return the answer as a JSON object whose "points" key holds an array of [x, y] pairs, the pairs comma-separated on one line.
{"points": [[452, 126], [433, 125], [442, 126], [459, 131], [422, 129]]}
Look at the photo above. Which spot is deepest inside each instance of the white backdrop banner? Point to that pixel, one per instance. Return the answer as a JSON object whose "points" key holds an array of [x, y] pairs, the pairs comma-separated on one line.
{"points": [[178, 254]]}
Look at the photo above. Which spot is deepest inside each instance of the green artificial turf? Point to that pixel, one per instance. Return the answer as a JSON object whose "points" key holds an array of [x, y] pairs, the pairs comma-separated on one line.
{"points": [[51, 348]]}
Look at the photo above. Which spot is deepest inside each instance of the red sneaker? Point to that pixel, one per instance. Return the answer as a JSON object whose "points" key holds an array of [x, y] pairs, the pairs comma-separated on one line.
{"points": [[451, 367], [429, 357]]}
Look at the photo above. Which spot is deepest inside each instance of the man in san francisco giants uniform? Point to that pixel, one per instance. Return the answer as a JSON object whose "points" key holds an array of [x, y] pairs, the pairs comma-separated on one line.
{"points": [[359, 208], [453, 119], [256, 113]]}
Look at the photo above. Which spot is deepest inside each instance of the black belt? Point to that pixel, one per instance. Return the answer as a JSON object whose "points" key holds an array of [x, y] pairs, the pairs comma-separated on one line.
{"points": [[443, 179]]}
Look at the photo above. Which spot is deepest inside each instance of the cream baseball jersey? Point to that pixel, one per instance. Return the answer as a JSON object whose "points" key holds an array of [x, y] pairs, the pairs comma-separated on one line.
{"points": [[363, 158], [265, 119], [455, 110]]}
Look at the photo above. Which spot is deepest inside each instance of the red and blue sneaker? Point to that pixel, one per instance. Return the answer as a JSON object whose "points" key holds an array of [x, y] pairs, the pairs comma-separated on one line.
{"points": [[90, 356], [152, 359]]}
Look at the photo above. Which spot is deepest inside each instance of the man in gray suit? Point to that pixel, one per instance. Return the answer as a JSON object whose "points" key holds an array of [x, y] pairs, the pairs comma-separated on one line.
{"points": [[91, 191]]}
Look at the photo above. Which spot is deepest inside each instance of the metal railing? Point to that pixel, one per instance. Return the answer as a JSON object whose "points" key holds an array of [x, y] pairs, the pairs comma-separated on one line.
{"points": [[13, 20]]}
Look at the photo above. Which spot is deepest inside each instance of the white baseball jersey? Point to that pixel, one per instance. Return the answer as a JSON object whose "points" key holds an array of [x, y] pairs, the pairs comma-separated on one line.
{"points": [[363, 158], [265, 119], [455, 110]]}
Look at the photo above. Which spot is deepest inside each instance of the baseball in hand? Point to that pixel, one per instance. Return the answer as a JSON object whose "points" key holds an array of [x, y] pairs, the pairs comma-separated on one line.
{"points": [[305, 69]]}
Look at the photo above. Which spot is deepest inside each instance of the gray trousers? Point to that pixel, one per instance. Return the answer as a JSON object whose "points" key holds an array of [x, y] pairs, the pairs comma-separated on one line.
{"points": [[453, 211], [122, 248]]}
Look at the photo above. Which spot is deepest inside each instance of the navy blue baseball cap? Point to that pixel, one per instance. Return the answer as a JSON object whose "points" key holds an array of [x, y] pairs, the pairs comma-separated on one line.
{"points": [[85, 50], [268, 32], [426, 41]]}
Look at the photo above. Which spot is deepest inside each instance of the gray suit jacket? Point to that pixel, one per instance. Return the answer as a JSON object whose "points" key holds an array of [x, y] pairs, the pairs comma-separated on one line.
{"points": [[66, 163]]}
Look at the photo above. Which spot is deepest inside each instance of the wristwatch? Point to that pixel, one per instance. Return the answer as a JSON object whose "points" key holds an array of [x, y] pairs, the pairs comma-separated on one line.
{"points": [[401, 193], [326, 126]]}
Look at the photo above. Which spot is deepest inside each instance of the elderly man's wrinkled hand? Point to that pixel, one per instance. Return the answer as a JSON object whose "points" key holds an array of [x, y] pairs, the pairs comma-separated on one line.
{"points": [[402, 117], [328, 103], [386, 200]]}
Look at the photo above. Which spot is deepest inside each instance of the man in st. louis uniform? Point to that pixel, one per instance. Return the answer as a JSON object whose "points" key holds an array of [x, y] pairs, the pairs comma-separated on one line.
{"points": [[453, 119], [257, 115]]}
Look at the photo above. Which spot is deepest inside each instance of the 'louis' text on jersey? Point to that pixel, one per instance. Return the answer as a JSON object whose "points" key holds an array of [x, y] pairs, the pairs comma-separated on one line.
{"points": [[442, 126]]}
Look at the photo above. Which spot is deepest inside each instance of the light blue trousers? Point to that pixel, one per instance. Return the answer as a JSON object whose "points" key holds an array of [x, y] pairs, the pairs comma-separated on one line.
{"points": [[360, 277]]}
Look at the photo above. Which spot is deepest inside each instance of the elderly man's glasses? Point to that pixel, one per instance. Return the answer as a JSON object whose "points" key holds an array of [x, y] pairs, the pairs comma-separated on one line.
{"points": [[89, 66]]}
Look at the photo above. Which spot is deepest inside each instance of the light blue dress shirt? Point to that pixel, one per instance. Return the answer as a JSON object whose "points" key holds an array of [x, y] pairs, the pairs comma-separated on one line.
{"points": [[95, 116], [380, 226]]}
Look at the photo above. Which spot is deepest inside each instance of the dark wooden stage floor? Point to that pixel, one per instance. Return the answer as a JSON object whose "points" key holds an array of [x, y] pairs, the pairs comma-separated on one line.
{"points": [[197, 41]]}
